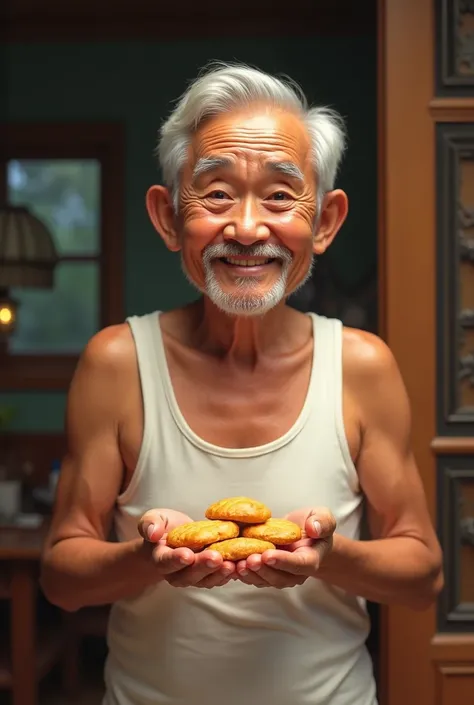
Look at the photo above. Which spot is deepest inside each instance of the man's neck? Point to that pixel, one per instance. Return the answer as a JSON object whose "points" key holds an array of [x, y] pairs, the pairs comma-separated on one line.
{"points": [[246, 339]]}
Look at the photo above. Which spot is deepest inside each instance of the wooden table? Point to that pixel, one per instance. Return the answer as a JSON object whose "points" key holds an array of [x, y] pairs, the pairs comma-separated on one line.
{"points": [[28, 655]]}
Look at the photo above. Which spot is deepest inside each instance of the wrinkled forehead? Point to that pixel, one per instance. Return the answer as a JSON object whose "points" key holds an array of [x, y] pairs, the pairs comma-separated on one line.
{"points": [[260, 137]]}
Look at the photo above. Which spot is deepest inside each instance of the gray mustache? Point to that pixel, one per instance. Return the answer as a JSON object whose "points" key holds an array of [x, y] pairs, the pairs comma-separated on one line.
{"points": [[229, 249]]}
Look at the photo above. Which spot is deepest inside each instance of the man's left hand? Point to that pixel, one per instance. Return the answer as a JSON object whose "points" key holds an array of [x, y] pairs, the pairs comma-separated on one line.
{"points": [[292, 565]]}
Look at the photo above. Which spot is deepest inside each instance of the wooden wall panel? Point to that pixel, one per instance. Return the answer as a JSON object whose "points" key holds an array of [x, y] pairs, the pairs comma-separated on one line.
{"points": [[426, 114], [454, 59], [455, 685], [452, 111], [456, 530], [455, 281]]}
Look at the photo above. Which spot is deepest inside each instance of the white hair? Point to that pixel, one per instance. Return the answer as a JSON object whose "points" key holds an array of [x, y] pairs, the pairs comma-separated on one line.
{"points": [[222, 88]]}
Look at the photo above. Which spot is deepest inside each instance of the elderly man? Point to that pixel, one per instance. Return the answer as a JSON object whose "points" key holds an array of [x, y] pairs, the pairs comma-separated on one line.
{"points": [[239, 394]]}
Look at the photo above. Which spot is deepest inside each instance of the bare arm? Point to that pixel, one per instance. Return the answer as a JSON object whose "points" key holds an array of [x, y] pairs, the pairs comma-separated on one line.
{"points": [[80, 567], [403, 562]]}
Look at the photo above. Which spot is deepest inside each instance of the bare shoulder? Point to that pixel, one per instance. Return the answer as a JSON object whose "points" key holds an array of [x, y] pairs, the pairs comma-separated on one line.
{"points": [[105, 374], [110, 351], [366, 355], [373, 379]]}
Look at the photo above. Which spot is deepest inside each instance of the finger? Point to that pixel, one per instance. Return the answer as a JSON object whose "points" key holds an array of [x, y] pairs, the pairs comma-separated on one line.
{"points": [[220, 578], [320, 523], [152, 525], [279, 579], [212, 582], [254, 561], [225, 573], [241, 568], [249, 577], [303, 561], [170, 560], [205, 564], [302, 543]]}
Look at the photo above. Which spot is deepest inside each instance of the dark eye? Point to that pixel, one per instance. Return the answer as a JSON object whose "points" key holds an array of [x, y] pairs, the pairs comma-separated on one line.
{"points": [[218, 195], [279, 196]]}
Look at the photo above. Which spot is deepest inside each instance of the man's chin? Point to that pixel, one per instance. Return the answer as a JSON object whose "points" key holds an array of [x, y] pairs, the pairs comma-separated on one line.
{"points": [[247, 306], [237, 302]]}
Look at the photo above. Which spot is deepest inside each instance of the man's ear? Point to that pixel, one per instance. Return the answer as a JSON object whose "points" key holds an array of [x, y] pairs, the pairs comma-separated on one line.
{"points": [[161, 212], [333, 214]]}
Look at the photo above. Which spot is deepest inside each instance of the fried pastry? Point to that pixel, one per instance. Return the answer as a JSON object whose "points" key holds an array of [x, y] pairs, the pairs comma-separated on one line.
{"points": [[279, 531], [242, 509], [240, 548], [198, 534]]}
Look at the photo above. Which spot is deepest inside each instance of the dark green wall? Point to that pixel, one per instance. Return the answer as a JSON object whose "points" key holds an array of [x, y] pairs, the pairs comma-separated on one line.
{"points": [[134, 83]]}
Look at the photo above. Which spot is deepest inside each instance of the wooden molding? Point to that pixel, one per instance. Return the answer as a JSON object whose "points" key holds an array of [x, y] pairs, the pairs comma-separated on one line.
{"points": [[83, 20], [452, 109], [453, 445], [452, 648], [32, 372]]}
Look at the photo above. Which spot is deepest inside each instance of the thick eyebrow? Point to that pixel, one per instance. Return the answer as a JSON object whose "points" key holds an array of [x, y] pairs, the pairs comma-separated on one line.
{"points": [[206, 164], [287, 169]]}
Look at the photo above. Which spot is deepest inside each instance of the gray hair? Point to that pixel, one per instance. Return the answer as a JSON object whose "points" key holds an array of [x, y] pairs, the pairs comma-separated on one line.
{"points": [[222, 88]]}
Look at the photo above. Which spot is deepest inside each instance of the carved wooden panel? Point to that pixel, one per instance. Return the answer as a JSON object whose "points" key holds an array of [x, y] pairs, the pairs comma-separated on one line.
{"points": [[455, 684], [455, 284], [455, 47], [456, 531]]}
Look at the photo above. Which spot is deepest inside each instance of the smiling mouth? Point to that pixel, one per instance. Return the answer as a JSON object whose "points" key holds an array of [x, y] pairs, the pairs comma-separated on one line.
{"points": [[240, 262]]}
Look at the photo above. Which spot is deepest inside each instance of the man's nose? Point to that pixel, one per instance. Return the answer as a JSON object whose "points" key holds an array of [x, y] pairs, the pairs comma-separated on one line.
{"points": [[247, 225]]}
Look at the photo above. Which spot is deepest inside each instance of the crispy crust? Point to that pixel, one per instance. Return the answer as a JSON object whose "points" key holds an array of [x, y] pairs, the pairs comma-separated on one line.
{"points": [[240, 548], [242, 509], [279, 531], [198, 534]]}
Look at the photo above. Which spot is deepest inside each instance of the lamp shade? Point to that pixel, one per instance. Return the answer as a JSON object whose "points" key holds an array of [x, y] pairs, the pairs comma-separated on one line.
{"points": [[28, 254]]}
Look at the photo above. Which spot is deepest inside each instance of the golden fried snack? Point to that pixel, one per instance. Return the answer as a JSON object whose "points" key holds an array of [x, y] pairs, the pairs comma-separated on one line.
{"points": [[241, 509], [278, 531], [198, 534], [241, 548]]}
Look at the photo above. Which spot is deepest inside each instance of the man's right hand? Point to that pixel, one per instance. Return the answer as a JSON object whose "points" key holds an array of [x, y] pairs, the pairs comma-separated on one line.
{"points": [[181, 567]]}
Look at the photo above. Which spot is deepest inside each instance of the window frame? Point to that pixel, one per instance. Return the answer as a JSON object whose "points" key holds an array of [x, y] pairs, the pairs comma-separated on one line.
{"points": [[103, 142]]}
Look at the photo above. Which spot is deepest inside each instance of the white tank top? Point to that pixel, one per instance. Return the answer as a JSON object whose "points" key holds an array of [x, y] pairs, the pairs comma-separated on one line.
{"points": [[236, 644]]}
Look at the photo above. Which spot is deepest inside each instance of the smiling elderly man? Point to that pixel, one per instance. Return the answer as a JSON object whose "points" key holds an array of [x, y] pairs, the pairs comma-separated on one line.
{"points": [[239, 394]]}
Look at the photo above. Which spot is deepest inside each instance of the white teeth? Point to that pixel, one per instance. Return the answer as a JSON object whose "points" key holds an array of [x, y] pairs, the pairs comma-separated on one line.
{"points": [[246, 262]]}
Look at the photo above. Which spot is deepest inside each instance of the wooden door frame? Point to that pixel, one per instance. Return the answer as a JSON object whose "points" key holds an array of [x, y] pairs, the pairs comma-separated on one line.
{"points": [[405, 231], [415, 661]]}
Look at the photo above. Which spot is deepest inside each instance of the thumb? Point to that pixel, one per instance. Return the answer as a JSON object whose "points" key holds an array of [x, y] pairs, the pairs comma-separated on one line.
{"points": [[320, 523], [153, 525]]}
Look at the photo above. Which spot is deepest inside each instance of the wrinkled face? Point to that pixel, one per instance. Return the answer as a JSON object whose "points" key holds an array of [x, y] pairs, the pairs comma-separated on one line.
{"points": [[248, 210]]}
